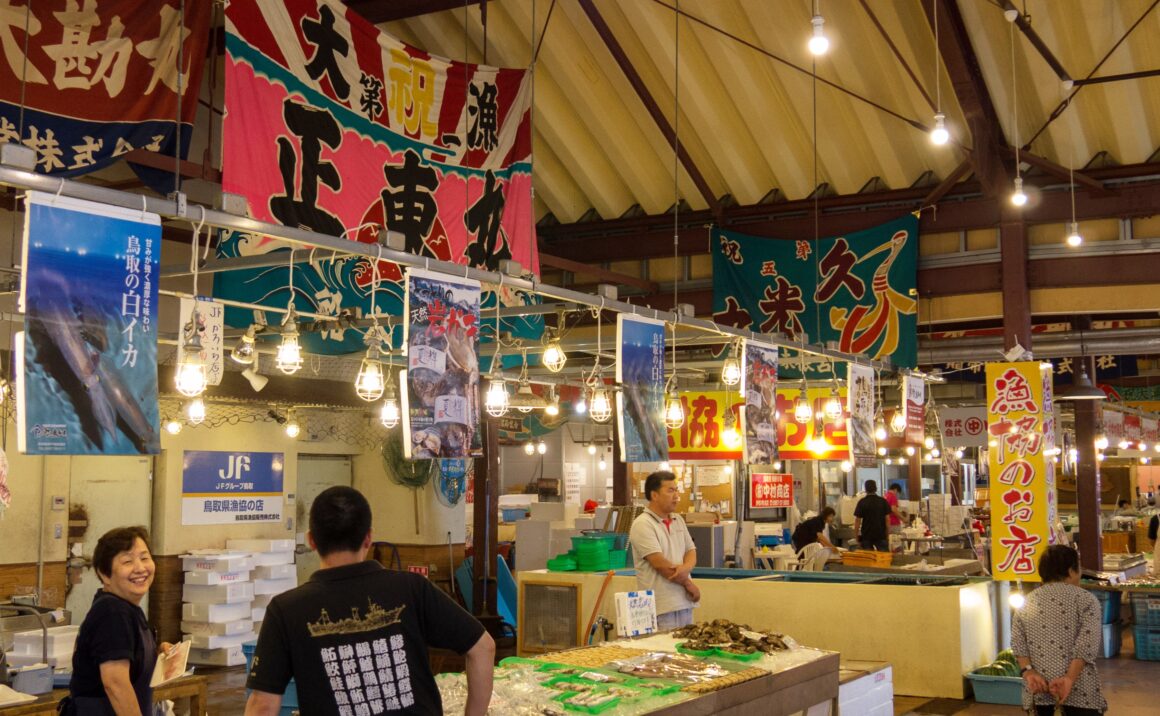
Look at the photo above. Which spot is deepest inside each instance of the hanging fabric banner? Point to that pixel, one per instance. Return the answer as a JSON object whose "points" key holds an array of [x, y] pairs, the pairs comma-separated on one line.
{"points": [[99, 80], [335, 126], [441, 388], [913, 409], [640, 402], [862, 406], [87, 384], [820, 438], [759, 386], [210, 331], [856, 290], [1020, 419], [702, 436]]}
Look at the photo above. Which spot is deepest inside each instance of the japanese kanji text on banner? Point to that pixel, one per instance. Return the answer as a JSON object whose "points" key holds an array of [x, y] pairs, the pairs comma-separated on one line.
{"points": [[862, 407], [914, 409], [770, 490], [701, 436], [1019, 417]]}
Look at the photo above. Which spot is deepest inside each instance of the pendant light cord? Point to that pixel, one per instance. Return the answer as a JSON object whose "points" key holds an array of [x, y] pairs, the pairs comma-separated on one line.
{"points": [[676, 184], [937, 58], [1015, 102]]}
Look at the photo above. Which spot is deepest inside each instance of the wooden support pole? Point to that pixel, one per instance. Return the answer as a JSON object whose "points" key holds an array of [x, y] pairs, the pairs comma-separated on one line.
{"points": [[1016, 293], [485, 530], [1087, 497], [621, 474]]}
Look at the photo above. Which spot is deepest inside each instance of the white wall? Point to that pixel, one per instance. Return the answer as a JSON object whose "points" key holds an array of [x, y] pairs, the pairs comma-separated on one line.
{"points": [[517, 468], [31, 500], [403, 515]]}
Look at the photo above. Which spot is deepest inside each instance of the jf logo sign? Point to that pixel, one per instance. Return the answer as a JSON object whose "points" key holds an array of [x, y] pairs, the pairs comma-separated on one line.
{"points": [[231, 487]]}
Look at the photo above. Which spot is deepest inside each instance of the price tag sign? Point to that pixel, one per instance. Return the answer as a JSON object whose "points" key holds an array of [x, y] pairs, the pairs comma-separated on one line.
{"points": [[419, 569]]}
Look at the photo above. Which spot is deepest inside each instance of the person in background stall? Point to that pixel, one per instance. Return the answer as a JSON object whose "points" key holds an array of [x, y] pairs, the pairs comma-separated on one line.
{"points": [[870, 519], [814, 530], [664, 553], [116, 649], [896, 519], [1124, 508], [1056, 638]]}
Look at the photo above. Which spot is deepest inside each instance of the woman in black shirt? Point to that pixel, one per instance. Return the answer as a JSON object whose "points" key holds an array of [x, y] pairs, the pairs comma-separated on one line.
{"points": [[116, 650]]}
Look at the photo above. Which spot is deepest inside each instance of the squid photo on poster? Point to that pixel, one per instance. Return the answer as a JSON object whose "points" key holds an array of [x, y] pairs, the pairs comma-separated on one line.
{"points": [[640, 402], [441, 391], [759, 385]]}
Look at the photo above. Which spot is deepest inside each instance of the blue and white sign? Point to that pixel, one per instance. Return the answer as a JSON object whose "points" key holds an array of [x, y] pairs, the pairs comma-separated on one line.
{"points": [[640, 402], [226, 488], [636, 613]]}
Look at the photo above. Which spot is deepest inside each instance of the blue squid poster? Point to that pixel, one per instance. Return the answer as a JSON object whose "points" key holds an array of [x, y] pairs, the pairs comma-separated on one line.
{"points": [[640, 402], [88, 380]]}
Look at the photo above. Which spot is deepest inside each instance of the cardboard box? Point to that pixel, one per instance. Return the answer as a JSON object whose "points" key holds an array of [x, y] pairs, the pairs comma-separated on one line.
{"points": [[217, 593], [209, 578], [216, 561], [240, 626], [275, 571], [216, 613], [228, 656], [260, 545]]}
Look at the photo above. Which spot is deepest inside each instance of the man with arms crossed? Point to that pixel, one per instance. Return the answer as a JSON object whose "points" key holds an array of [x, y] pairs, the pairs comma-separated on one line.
{"points": [[664, 553]]}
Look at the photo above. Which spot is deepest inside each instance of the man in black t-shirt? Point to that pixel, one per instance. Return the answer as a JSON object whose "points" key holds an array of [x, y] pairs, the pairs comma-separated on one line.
{"points": [[870, 516], [814, 530], [355, 636]]}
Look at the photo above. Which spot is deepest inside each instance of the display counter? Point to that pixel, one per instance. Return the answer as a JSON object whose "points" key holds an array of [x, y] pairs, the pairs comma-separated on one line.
{"points": [[932, 630]]}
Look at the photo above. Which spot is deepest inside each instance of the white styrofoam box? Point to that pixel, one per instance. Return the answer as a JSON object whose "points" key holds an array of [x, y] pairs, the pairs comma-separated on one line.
{"points": [[266, 559], [60, 639], [262, 600], [261, 545], [274, 586], [561, 540], [205, 577], [257, 614], [846, 507], [229, 656], [221, 641], [601, 515], [867, 694], [275, 571], [216, 561], [553, 512], [585, 523], [240, 626], [534, 549], [218, 593], [870, 680], [216, 613], [62, 660]]}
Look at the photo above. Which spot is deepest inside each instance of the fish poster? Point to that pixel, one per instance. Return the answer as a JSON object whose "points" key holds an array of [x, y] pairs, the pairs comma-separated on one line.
{"points": [[87, 379], [759, 386], [441, 389], [861, 405], [640, 402]]}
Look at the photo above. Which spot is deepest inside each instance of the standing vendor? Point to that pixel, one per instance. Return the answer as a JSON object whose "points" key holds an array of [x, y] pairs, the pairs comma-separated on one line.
{"points": [[664, 553], [870, 519]]}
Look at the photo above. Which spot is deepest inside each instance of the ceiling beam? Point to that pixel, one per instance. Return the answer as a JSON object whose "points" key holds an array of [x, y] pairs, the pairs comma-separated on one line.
{"points": [[944, 187], [649, 102], [550, 261], [1117, 78], [1024, 25], [971, 91], [379, 11], [1097, 187]]}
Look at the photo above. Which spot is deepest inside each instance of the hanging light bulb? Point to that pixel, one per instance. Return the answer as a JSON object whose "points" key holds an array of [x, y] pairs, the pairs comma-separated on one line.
{"points": [[803, 412], [936, 453], [1101, 442], [880, 433], [819, 44], [552, 409], [581, 404], [889, 461], [190, 378], [818, 446], [601, 407], [1018, 198], [370, 384], [524, 391], [881, 451], [731, 371], [898, 421], [243, 351], [902, 461], [173, 426], [292, 429], [389, 412], [665, 466], [959, 454], [833, 407], [602, 464], [1101, 457], [496, 400], [928, 442], [554, 357], [674, 411], [289, 357], [909, 449], [939, 135], [529, 448], [927, 457], [1123, 444], [591, 449], [195, 411], [728, 469], [777, 465], [846, 466], [1073, 236], [731, 436]]}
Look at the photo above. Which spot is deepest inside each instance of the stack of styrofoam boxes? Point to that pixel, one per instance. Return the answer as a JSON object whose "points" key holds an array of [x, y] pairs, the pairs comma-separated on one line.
{"points": [[870, 693], [546, 533], [216, 613], [28, 647], [274, 570]]}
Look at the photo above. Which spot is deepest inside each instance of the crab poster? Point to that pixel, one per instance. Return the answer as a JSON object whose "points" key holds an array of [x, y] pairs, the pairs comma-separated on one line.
{"points": [[87, 382], [441, 389]]}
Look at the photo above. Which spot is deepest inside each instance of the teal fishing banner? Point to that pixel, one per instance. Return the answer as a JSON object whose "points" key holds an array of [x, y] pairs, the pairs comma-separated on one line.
{"points": [[857, 290]]}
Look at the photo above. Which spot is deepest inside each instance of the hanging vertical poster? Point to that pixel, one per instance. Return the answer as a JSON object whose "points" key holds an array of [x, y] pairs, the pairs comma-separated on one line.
{"points": [[88, 373], [913, 409], [862, 407], [759, 386], [209, 329], [640, 402], [334, 125], [1019, 417], [441, 390]]}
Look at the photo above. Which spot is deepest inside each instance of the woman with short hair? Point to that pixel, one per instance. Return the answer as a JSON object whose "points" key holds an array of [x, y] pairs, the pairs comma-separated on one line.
{"points": [[1056, 639]]}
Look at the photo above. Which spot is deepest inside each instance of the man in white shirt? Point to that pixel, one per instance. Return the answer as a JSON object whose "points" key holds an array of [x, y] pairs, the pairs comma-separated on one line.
{"points": [[664, 553]]}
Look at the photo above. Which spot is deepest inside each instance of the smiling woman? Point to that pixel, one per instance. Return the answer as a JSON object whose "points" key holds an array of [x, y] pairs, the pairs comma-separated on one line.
{"points": [[116, 650]]}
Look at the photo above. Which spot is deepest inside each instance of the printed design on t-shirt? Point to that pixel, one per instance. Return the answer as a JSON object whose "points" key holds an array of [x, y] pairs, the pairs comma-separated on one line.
{"points": [[369, 677], [376, 618]]}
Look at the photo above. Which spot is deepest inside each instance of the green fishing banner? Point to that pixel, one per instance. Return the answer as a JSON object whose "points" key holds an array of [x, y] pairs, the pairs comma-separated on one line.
{"points": [[857, 290]]}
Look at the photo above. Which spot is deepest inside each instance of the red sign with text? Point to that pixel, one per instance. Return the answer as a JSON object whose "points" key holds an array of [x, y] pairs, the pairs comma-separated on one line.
{"points": [[768, 489], [419, 569]]}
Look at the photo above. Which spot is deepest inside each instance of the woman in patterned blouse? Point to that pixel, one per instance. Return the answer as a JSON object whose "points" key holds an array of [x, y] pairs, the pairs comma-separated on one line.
{"points": [[1056, 638]]}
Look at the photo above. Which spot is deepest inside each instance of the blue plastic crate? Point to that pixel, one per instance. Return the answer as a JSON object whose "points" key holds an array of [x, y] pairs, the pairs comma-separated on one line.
{"points": [[1146, 609], [513, 514], [1109, 603], [997, 689], [1147, 643]]}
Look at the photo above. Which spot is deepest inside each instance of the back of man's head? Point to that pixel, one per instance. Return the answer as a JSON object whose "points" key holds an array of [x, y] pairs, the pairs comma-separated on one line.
{"points": [[897, 488], [871, 487], [340, 520]]}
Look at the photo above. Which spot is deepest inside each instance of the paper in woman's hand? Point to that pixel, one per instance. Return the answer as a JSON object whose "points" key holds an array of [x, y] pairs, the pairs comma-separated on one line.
{"points": [[171, 664]]}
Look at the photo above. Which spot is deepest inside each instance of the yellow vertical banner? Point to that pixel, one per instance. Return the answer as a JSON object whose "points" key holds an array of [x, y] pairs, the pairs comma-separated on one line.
{"points": [[1020, 420]]}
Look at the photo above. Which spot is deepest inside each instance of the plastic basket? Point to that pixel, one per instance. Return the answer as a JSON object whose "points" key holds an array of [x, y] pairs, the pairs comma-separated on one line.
{"points": [[1146, 608], [1110, 604], [617, 558], [997, 689], [513, 514], [1147, 643]]}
